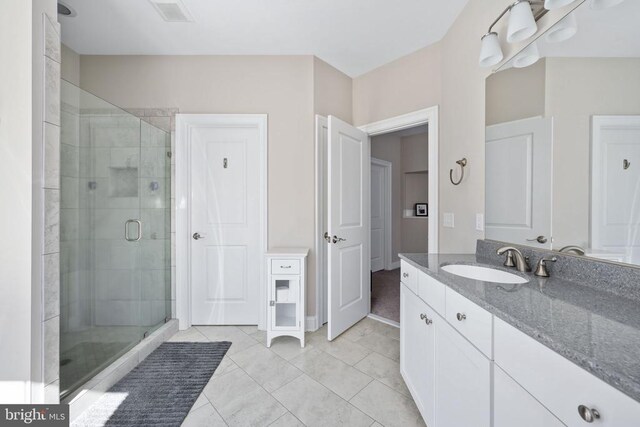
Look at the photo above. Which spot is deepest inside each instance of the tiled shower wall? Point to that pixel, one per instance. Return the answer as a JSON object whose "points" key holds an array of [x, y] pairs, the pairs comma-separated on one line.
{"points": [[51, 189]]}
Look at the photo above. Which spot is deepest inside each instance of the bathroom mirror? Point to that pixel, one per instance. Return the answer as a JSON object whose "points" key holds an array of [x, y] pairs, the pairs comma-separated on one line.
{"points": [[562, 140]]}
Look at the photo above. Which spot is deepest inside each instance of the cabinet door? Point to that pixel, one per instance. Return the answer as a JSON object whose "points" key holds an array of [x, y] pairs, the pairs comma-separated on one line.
{"points": [[285, 296], [513, 406], [417, 353], [463, 381]]}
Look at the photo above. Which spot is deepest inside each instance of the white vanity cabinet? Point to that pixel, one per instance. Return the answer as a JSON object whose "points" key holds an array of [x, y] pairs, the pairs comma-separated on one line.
{"points": [[560, 385], [287, 282], [463, 381], [466, 367], [443, 371], [417, 351]]}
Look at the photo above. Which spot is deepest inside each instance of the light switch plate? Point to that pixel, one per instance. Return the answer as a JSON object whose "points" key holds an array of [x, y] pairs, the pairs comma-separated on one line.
{"points": [[480, 222], [448, 220]]}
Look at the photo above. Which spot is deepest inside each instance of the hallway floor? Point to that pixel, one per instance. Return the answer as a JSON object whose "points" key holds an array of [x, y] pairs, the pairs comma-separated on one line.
{"points": [[385, 294], [352, 381]]}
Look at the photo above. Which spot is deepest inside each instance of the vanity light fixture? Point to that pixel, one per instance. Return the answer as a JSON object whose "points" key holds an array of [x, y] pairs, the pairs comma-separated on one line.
{"points": [[604, 4], [490, 50], [556, 4], [522, 25], [528, 56], [566, 28]]}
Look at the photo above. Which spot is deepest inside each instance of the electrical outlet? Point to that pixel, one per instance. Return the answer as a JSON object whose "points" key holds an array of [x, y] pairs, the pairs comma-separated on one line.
{"points": [[480, 222], [448, 220]]}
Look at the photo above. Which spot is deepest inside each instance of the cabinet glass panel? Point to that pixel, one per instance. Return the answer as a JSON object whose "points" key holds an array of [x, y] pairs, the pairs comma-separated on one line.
{"points": [[286, 302]]}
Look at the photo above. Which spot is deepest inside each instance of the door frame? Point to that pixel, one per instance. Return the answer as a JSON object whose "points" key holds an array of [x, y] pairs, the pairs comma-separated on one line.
{"points": [[428, 116], [184, 122], [387, 203]]}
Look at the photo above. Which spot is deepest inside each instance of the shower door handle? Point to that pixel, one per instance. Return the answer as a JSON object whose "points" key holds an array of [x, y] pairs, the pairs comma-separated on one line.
{"points": [[138, 231]]}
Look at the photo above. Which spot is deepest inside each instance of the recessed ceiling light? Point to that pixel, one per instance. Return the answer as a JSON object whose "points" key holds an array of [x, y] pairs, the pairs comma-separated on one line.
{"points": [[66, 10]]}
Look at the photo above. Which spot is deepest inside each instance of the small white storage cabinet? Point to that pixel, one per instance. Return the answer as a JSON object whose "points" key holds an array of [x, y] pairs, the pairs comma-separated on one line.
{"points": [[287, 269]]}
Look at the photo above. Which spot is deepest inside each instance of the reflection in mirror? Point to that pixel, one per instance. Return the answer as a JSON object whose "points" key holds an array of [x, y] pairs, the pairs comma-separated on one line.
{"points": [[563, 138]]}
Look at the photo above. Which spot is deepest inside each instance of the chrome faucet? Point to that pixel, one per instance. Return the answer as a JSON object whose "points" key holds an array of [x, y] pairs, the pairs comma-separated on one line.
{"points": [[521, 262], [573, 249], [541, 268]]}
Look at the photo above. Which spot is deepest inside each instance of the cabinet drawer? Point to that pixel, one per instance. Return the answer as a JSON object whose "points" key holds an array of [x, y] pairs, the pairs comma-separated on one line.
{"points": [[559, 384], [472, 321], [409, 276], [285, 266], [432, 292]]}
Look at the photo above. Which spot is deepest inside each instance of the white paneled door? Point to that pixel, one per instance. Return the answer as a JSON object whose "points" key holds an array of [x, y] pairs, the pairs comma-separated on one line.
{"points": [[378, 214], [348, 200], [615, 187], [518, 182], [226, 218]]}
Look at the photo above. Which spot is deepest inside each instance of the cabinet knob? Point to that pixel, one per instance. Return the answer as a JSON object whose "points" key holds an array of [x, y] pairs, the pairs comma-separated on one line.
{"points": [[425, 318], [588, 414], [461, 316], [405, 275]]}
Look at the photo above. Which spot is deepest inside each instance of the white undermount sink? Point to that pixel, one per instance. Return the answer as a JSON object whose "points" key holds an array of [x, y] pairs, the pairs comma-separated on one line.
{"points": [[485, 274]]}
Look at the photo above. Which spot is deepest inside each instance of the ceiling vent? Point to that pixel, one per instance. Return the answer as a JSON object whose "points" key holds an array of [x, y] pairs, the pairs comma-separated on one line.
{"points": [[172, 10]]}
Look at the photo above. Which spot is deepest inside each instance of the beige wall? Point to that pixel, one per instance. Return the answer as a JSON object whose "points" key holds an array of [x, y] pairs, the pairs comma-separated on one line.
{"points": [[331, 91], [70, 66], [516, 93], [410, 83], [578, 88]]}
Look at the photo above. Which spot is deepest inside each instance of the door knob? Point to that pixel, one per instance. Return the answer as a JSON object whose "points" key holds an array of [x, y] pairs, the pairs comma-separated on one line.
{"points": [[337, 239], [197, 236], [461, 316], [327, 237], [539, 239]]}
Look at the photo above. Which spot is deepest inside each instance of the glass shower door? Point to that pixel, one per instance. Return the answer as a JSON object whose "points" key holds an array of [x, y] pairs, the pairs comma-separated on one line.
{"points": [[155, 211], [115, 251]]}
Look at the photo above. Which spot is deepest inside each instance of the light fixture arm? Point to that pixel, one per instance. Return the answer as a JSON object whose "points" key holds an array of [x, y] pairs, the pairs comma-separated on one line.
{"points": [[507, 9]]}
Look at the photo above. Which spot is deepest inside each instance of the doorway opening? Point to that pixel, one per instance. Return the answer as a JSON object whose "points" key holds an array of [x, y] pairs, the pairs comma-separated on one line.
{"points": [[399, 211], [415, 201]]}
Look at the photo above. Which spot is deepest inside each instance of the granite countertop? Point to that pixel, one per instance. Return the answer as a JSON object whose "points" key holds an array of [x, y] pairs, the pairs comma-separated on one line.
{"points": [[597, 330]]}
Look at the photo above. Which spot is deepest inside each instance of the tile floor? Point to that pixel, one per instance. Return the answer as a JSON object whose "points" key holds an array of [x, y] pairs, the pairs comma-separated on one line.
{"points": [[352, 381]]}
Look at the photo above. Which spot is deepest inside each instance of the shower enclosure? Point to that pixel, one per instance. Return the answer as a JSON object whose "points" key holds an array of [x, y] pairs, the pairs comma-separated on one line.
{"points": [[114, 233]]}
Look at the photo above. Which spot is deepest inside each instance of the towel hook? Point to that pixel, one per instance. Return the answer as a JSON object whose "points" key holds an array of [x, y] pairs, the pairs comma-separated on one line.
{"points": [[462, 162]]}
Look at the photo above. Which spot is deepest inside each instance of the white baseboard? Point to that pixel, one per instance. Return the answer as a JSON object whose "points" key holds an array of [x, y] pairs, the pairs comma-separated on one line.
{"points": [[311, 324], [383, 320], [393, 265]]}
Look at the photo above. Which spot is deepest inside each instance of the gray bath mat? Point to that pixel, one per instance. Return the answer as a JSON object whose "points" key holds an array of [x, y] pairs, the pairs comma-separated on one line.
{"points": [[161, 390]]}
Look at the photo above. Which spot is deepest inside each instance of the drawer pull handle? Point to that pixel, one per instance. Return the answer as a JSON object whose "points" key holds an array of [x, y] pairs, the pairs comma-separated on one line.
{"points": [[405, 275], [425, 318], [285, 266], [588, 414], [461, 317]]}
